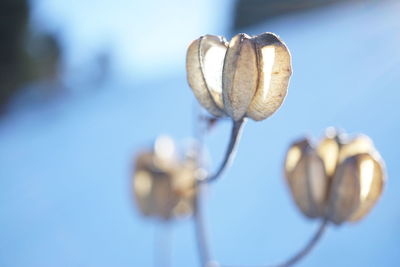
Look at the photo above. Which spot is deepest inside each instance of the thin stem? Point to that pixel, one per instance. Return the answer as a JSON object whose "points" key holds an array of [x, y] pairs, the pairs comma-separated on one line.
{"points": [[200, 229], [300, 254], [308, 248], [229, 153]]}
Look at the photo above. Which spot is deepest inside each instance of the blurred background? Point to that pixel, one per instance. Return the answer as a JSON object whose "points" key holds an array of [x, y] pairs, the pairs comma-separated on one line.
{"points": [[86, 84]]}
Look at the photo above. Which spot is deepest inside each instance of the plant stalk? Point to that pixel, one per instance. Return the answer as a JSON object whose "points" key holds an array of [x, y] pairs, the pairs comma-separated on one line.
{"points": [[229, 153], [308, 248], [300, 254], [200, 230]]}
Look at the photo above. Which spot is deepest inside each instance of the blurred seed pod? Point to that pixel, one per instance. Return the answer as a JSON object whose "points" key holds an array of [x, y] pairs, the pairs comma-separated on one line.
{"points": [[340, 179], [356, 186], [164, 186], [305, 173], [247, 77]]}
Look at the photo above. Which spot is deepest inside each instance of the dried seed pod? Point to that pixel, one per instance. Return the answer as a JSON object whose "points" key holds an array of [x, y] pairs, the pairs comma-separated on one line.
{"points": [[340, 180], [356, 187], [275, 69], [305, 174], [249, 77], [239, 76], [204, 64], [163, 185], [344, 192]]}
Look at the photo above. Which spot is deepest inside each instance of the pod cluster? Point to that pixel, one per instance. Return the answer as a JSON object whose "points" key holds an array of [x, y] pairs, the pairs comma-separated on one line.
{"points": [[339, 179], [164, 185], [247, 77]]}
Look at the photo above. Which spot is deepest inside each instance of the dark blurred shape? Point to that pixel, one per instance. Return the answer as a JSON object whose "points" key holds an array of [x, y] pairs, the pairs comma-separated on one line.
{"points": [[24, 57], [250, 12]]}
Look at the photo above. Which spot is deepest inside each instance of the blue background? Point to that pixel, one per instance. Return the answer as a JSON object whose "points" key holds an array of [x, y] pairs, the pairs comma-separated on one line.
{"points": [[65, 165]]}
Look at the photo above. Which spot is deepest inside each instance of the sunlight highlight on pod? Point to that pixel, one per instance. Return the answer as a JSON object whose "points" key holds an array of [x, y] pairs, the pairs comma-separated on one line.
{"points": [[367, 169], [213, 62], [340, 179], [268, 54], [293, 159], [142, 183]]}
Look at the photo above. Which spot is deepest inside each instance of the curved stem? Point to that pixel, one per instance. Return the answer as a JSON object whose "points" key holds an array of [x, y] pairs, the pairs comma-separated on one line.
{"points": [[229, 153], [307, 249], [200, 229], [300, 254]]}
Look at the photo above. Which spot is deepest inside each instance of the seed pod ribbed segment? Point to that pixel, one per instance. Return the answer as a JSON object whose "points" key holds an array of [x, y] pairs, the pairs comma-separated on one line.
{"points": [[239, 76], [274, 73], [305, 174], [357, 185], [204, 62]]}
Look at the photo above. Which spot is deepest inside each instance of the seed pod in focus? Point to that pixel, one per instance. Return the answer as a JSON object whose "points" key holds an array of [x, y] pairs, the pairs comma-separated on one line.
{"points": [[239, 76], [204, 62], [164, 186], [246, 78], [340, 179], [275, 69]]}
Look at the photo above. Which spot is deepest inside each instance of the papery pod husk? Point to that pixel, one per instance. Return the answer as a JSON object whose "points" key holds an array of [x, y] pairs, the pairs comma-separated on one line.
{"points": [[212, 53], [305, 174], [370, 197], [344, 192], [239, 76], [247, 77], [204, 63], [335, 148], [163, 193], [356, 145], [355, 188], [274, 71], [328, 150]]}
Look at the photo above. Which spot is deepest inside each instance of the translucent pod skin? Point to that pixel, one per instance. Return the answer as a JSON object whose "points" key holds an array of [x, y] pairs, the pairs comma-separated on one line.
{"points": [[239, 76], [212, 54], [356, 187], [164, 187], [340, 180], [345, 190], [204, 63], [305, 174], [274, 71], [246, 78]]}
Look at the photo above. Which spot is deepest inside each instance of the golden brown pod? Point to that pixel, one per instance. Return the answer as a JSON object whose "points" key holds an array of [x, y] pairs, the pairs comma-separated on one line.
{"points": [[246, 78], [275, 69], [163, 185], [356, 187], [239, 76], [204, 63], [340, 179], [305, 174]]}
